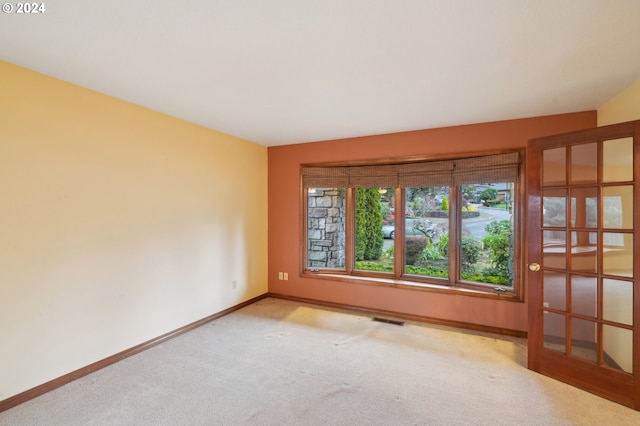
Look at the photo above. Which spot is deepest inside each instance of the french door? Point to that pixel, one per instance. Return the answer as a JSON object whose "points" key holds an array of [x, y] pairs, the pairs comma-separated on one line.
{"points": [[583, 193]]}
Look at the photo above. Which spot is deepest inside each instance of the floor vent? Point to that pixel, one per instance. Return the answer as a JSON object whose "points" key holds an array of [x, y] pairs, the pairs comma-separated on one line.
{"points": [[388, 321]]}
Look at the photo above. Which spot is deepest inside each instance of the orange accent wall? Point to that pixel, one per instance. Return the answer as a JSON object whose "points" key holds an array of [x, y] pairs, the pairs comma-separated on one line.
{"points": [[285, 228]]}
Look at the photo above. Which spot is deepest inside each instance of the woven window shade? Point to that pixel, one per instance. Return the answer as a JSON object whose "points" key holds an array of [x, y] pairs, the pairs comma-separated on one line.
{"points": [[464, 171], [432, 173], [325, 177], [487, 169], [373, 176]]}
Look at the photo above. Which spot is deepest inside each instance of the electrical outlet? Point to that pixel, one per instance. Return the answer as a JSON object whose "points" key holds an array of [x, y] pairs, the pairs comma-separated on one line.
{"points": [[234, 284], [285, 276], [280, 276]]}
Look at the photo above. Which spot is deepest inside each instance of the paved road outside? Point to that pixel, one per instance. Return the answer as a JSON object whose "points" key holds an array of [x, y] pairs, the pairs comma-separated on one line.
{"points": [[475, 226]]}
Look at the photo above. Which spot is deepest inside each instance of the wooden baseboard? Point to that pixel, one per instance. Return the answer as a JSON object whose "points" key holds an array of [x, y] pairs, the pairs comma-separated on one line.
{"points": [[74, 375], [409, 317]]}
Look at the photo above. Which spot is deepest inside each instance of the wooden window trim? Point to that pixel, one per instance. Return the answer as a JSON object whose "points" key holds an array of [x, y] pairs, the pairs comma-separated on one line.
{"points": [[406, 281]]}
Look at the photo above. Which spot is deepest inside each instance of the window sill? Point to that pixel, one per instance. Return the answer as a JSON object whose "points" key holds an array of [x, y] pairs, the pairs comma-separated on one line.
{"points": [[459, 290]]}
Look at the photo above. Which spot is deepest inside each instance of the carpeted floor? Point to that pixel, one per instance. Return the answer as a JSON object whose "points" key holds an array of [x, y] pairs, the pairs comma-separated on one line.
{"points": [[278, 362]]}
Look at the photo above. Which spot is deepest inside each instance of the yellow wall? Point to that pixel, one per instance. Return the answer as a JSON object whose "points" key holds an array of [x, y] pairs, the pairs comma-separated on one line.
{"points": [[117, 224], [625, 106]]}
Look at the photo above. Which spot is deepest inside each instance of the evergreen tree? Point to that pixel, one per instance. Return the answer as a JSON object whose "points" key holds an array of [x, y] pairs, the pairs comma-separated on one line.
{"points": [[445, 203], [369, 237]]}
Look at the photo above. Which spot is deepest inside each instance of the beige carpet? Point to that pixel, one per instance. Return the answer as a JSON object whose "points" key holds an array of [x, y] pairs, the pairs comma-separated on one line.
{"points": [[278, 362]]}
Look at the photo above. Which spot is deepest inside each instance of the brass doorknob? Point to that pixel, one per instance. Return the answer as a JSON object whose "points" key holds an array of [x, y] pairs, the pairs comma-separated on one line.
{"points": [[535, 267]]}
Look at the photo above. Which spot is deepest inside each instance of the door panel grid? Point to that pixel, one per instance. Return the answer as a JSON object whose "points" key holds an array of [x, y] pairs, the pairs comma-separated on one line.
{"points": [[570, 207], [584, 303]]}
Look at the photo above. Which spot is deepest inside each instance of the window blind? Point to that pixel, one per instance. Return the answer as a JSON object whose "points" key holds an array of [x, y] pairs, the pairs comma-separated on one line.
{"points": [[450, 172]]}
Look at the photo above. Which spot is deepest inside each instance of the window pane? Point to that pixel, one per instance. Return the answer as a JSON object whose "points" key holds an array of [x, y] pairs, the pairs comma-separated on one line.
{"points": [[617, 160], [426, 222], [617, 257], [584, 339], [617, 301], [617, 210], [554, 166], [555, 331], [584, 163], [487, 235], [617, 345], [554, 290], [369, 236], [326, 227], [584, 208], [554, 246], [584, 295], [584, 251], [554, 208]]}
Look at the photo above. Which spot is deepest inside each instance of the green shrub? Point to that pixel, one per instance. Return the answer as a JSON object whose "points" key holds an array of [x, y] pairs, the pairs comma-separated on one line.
{"points": [[445, 203], [431, 252], [373, 266], [471, 248], [443, 245], [369, 237], [498, 242], [486, 277], [429, 271], [389, 253]]}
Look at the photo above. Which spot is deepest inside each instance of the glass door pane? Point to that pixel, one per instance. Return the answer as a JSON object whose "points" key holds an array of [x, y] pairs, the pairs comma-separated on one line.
{"points": [[555, 331], [617, 207], [584, 251], [554, 207], [584, 207], [617, 301], [584, 163], [617, 159], [618, 254], [554, 249], [554, 168], [584, 339], [555, 291], [617, 347], [584, 295]]}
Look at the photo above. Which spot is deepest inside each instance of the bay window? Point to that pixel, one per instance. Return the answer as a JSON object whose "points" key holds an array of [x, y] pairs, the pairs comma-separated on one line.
{"points": [[444, 224]]}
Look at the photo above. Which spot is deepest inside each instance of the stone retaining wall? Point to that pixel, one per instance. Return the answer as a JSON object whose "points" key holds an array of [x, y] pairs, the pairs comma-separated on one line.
{"points": [[326, 228]]}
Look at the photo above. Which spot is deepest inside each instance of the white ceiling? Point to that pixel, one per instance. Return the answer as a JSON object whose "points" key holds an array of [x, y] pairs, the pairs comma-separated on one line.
{"points": [[286, 71]]}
